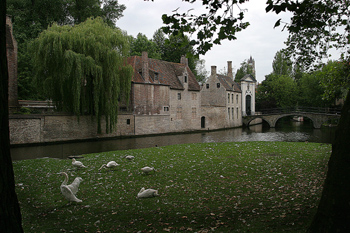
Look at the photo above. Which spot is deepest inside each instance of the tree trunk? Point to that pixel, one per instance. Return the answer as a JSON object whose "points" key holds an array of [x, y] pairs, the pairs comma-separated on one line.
{"points": [[10, 215], [333, 213]]}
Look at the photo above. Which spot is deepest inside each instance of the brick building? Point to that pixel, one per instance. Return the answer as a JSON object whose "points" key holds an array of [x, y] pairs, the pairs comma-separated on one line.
{"points": [[165, 96], [221, 101]]}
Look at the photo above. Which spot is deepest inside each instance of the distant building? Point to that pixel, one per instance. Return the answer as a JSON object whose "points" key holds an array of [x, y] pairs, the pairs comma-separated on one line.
{"points": [[165, 96], [221, 101], [248, 85], [251, 64]]}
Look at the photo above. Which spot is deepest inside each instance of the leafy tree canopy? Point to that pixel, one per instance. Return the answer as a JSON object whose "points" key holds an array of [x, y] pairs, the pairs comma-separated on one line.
{"points": [[31, 17], [169, 49], [82, 68], [178, 45], [243, 70], [311, 90], [202, 73], [334, 78], [283, 90], [316, 27], [222, 20], [142, 43], [159, 39], [281, 64], [276, 91]]}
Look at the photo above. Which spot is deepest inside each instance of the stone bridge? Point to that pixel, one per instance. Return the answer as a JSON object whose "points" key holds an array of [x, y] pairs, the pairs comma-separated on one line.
{"points": [[317, 117]]}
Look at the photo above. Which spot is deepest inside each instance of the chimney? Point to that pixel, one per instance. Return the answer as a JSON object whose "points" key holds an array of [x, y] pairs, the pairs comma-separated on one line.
{"points": [[145, 69], [184, 60], [229, 69], [213, 70]]}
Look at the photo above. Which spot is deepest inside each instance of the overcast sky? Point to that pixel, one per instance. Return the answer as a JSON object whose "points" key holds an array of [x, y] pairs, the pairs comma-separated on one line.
{"points": [[260, 40]]}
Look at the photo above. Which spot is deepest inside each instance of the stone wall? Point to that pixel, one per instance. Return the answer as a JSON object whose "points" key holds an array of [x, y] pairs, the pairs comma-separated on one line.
{"points": [[26, 129], [185, 110], [158, 124], [149, 99], [215, 117]]}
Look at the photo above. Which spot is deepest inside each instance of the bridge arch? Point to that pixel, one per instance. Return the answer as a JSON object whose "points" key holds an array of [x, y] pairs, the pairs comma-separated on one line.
{"points": [[316, 124], [251, 118], [316, 118]]}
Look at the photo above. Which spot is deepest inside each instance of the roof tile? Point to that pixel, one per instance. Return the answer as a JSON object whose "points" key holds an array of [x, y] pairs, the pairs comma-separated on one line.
{"points": [[163, 72]]}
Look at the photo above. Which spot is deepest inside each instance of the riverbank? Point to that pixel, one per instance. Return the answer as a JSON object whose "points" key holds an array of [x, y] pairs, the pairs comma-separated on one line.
{"points": [[226, 187], [293, 132]]}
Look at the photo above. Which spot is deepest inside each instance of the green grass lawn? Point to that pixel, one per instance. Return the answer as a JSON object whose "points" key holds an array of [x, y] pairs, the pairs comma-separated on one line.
{"points": [[221, 187]]}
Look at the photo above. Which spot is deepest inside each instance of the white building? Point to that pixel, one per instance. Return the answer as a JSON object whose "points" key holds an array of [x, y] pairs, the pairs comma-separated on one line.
{"points": [[248, 84]]}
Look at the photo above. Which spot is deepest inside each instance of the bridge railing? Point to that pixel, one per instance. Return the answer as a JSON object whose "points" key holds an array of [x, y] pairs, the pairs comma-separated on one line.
{"points": [[300, 109]]}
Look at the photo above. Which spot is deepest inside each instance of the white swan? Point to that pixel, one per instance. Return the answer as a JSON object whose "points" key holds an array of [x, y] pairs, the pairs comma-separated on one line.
{"points": [[74, 186], [145, 193], [77, 164], [69, 191], [129, 157], [147, 169], [109, 165]]}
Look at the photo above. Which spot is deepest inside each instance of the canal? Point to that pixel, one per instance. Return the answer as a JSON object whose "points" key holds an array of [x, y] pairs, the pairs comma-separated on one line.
{"points": [[288, 131]]}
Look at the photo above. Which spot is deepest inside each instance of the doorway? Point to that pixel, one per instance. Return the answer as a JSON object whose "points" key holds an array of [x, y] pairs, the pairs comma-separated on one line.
{"points": [[202, 122], [248, 104]]}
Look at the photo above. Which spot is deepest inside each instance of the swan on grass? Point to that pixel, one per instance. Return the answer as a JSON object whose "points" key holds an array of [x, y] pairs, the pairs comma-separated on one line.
{"points": [[69, 191], [74, 186], [129, 157], [77, 164], [147, 169], [109, 165], [146, 193]]}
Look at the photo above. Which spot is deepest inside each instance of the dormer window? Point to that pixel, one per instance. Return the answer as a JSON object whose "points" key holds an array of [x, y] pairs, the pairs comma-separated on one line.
{"points": [[218, 85], [207, 85], [185, 79], [156, 75]]}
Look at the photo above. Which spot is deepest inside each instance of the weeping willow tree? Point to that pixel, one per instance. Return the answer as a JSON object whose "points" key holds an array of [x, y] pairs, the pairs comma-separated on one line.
{"points": [[83, 69]]}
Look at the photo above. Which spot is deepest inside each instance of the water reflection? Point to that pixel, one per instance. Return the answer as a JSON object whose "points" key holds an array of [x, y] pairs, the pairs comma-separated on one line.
{"points": [[289, 131]]}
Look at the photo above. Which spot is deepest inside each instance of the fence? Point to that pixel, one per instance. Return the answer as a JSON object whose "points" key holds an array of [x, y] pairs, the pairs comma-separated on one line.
{"points": [[300, 109]]}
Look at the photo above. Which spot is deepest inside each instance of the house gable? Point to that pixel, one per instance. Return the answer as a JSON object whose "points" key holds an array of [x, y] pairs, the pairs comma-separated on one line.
{"points": [[228, 83], [248, 78]]}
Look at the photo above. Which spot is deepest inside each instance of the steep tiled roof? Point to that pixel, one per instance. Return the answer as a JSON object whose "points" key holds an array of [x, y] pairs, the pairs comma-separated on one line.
{"points": [[164, 73], [228, 83]]}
